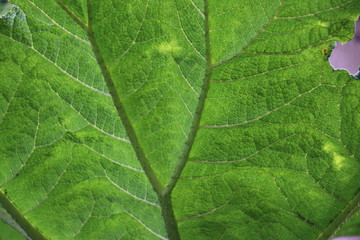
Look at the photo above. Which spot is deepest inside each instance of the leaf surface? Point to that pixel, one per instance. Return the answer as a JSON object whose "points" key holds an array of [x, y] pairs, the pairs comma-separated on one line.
{"points": [[9, 229], [6, 232], [351, 227], [156, 119]]}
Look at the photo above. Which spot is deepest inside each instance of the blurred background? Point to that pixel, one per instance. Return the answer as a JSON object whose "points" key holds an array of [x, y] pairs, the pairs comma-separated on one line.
{"points": [[347, 56]]}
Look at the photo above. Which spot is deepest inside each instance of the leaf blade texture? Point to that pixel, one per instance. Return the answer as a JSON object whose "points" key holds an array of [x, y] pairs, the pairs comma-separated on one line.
{"points": [[90, 87]]}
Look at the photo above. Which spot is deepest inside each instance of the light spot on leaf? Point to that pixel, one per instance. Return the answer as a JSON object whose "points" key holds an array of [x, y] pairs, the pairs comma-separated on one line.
{"points": [[338, 160], [171, 47], [328, 147], [322, 24]]}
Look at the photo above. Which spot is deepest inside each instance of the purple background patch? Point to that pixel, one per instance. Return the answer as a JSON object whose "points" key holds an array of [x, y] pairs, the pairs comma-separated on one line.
{"points": [[347, 56]]}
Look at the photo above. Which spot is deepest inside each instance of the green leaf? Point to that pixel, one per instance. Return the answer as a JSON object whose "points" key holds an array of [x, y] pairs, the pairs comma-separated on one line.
{"points": [[179, 119], [9, 229], [351, 228], [8, 233]]}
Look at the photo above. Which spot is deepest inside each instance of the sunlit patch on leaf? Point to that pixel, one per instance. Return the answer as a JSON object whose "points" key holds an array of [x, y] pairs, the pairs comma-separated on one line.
{"points": [[13, 23]]}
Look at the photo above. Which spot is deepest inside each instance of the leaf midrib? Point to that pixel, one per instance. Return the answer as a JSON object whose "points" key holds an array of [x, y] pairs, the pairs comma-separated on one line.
{"points": [[116, 98], [25, 224], [199, 108], [346, 213]]}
